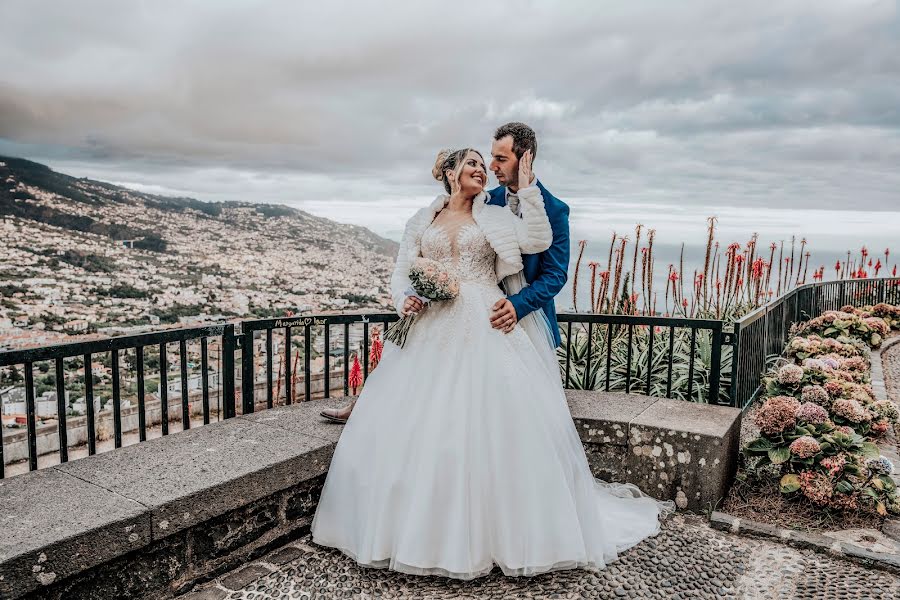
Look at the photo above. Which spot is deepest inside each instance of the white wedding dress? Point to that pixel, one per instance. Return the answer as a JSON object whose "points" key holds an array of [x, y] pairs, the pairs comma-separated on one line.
{"points": [[461, 453]]}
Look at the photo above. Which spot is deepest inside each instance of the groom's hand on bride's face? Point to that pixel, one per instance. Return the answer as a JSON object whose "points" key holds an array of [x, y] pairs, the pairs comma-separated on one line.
{"points": [[503, 316]]}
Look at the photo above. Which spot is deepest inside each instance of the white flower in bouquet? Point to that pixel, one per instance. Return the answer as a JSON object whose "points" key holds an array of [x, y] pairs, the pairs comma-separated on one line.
{"points": [[431, 281]]}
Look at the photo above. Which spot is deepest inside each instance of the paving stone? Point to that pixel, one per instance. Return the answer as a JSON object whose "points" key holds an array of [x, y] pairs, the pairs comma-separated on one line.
{"points": [[211, 593], [244, 577], [284, 555]]}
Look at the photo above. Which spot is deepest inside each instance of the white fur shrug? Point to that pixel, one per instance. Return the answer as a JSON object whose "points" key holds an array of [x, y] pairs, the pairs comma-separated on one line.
{"points": [[509, 235]]}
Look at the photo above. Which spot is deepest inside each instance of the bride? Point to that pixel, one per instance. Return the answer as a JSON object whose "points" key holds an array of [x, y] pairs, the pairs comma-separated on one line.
{"points": [[461, 453]]}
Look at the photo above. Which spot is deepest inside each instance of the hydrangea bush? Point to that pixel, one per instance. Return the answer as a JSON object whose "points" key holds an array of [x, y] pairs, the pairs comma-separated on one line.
{"points": [[819, 417], [839, 323]]}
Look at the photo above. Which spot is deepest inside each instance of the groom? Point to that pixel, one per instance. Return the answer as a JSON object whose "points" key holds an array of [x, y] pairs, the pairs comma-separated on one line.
{"points": [[546, 273]]}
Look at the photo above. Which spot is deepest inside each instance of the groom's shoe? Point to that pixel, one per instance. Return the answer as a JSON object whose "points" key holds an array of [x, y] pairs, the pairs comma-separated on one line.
{"points": [[339, 415]]}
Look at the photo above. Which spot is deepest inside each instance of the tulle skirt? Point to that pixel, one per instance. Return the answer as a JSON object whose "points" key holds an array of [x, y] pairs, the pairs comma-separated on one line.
{"points": [[461, 454]]}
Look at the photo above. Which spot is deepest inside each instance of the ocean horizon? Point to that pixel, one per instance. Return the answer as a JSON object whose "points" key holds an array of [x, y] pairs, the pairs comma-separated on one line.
{"points": [[829, 233]]}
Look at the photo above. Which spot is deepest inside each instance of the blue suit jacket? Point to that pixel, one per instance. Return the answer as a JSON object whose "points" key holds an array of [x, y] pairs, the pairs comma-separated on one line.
{"points": [[547, 272]]}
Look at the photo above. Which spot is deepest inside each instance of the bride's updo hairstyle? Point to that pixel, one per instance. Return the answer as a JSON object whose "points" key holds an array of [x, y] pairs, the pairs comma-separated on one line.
{"points": [[450, 160]]}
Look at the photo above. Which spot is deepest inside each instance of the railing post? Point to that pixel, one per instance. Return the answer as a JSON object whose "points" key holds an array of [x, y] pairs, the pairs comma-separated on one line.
{"points": [[30, 417], [736, 401], [248, 383], [715, 366], [228, 345]]}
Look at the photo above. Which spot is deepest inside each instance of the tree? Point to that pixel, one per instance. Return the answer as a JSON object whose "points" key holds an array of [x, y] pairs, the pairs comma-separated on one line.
{"points": [[12, 375]]}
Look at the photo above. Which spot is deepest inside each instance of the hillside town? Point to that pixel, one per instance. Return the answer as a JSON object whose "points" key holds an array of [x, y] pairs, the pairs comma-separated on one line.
{"points": [[237, 261]]}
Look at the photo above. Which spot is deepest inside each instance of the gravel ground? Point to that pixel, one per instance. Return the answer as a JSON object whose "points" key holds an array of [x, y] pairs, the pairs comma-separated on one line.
{"points": [[687, 559]]}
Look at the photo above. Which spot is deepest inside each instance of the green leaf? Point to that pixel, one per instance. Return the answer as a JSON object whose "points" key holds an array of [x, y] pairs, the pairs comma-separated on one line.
{"points": [[760, 444], [831, 331], [779, 455], [789, 483], [870, 450], [844, 487]]}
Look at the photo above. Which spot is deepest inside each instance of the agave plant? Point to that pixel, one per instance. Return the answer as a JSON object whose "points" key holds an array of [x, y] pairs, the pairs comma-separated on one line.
{"points": [[606, 363]]}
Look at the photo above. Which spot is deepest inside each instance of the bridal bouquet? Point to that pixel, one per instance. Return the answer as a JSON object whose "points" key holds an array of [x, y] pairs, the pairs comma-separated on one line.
{"points": [[430, 280]]}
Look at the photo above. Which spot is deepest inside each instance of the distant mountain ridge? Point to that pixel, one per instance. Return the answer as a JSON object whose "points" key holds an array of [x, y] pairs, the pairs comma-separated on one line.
{"points": [[89, 191]]}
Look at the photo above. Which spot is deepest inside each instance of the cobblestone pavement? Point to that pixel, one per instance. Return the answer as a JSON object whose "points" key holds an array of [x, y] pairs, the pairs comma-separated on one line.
{"points": [[687, 559]]}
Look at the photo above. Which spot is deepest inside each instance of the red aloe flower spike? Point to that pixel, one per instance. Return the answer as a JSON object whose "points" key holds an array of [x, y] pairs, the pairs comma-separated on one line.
{"points": [[375, 350], [355, 379]]}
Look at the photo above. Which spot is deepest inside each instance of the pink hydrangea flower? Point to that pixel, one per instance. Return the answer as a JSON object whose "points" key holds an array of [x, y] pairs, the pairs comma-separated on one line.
{"points": [[814, 393], [835, 389], [804, 447], [851, 410], [879, 428], [790, 374], [878, 325], [810, 412], [886, 410], [816, 487], [834, 464], [830, 362], [777, 414], [815, 364]]}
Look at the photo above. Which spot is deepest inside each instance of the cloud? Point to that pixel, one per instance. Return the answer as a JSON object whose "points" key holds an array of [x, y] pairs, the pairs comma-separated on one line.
{"points": [[682, 103]]}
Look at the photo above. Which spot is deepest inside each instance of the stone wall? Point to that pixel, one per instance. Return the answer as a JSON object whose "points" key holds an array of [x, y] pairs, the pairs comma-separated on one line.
{"points": [[670, 449]]}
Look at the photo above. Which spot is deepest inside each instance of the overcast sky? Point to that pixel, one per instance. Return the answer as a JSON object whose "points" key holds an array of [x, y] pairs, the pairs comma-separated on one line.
{"points": [[340, 107]]}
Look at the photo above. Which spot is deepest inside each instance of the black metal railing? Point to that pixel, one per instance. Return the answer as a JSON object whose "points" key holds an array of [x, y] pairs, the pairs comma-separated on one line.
{"points": [[260, 361], [762, 334], [136, 347], [659, 356], [261, 339]]}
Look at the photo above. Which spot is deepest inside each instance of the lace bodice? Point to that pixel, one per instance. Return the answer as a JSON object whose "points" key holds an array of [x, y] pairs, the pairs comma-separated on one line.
{"points": [[466, 249]]}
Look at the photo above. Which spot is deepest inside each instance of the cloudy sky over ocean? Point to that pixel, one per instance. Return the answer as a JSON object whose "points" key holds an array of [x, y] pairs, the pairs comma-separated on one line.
{"points": [[779, 117]]}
